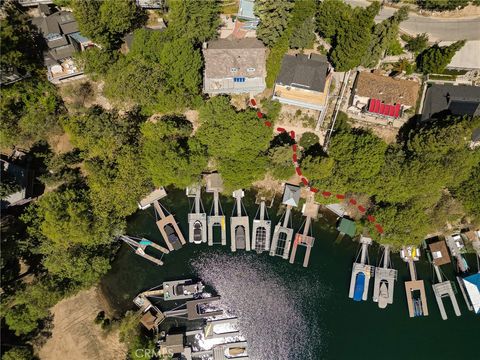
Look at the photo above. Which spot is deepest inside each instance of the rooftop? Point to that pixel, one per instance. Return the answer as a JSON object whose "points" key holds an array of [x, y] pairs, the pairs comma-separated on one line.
{"points": [[451, 100], [387, 89], [439, 252], [291, 195], [303, 72], [246, 9], [234, 58], [347, 227], [467, 57]]}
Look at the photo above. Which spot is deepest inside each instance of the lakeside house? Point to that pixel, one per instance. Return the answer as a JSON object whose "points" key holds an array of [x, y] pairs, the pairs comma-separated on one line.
{"points": [[62, 40], [382, 96], [234, 66], [442, 100], [304, 81], [246, 15]]}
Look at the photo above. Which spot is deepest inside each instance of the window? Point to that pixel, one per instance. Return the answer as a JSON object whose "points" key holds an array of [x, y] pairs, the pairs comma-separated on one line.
{"points": [[250, 69], [239, 79], [233, 69]]}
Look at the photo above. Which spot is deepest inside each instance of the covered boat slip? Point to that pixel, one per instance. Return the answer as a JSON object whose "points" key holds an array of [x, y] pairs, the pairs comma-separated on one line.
{"points": [[197, 218], [261, 229], [385, 277], [310, 211], [239, 224], [216, 217], [414, 289], [361, 273]]}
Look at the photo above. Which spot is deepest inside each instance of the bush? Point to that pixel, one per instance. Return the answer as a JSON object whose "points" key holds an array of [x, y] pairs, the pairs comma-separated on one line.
{"points": [[308, 139]]}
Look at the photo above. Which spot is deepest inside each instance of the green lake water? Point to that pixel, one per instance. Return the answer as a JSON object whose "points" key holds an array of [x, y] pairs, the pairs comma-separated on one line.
{"points": [[289, 312]]}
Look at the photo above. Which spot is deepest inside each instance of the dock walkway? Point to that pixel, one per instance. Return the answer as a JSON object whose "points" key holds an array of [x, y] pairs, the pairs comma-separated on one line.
{"points": [[261, 229], [361, 273], [310, 211], [216, 217], [239, 224], [384, 284], [197, 218]]}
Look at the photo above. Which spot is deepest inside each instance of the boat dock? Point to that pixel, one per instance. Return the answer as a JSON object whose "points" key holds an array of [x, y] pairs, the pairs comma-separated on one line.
{"points": [[216, 217], [235, 351], [261, 229], [457, 248], [212, 329], [239, 224], [385, 277], [140, 245], [195, 309], [282, 234], [415, 289], [181, 289], [197, 218], [310, 211], [361, 273], [166, 223]]}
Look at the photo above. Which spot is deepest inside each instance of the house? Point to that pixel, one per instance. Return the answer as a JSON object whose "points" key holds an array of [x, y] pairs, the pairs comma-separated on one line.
{"points": [[304, 81], [383, 96], [246, 15], [234, 66], [10, 75], [62, 39], [441, 100]]}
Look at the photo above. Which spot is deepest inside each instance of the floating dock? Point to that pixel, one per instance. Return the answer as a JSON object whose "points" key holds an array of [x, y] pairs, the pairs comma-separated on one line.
{"points": [[415, 289], [310, 211], [385, 277], [215, 329], [216, 217], [261, 229], [239, 224], [197, 218], [233, 351], [361, 273], [195, 309], [181, 289], [141, 244], [166, 223], [282, 235], [457, 248]]}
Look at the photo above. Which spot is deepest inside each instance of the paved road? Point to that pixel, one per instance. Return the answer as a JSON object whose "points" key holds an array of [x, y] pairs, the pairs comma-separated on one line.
{"points": [[437, 29]]}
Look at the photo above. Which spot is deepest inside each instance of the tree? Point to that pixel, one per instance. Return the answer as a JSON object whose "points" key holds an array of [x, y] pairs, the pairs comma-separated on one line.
{"points": [[8, 185], [274, 16], [442, 5], [195, 20], [303, 25], [435, 59], [236, 140], [105, 22], [416, 44], [170, 156], [332, 16], [308, 139], [468, 192], [18, 353], [353, 40], [317, 168], [95, 61], [384, 34], [280, 162]]}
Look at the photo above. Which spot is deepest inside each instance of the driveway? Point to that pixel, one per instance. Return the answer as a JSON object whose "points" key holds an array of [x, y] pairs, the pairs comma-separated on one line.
{"points": [[437, 29]]}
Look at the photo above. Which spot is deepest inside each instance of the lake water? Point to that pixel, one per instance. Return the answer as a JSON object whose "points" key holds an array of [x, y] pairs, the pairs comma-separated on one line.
{"points": [[289, 312]]}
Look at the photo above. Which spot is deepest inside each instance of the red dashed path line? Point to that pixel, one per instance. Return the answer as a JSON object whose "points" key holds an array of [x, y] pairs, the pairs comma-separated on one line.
{"points": [[305, 181]]}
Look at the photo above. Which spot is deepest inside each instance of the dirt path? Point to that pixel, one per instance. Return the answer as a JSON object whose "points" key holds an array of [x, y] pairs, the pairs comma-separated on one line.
{"points": [[75, 335]]}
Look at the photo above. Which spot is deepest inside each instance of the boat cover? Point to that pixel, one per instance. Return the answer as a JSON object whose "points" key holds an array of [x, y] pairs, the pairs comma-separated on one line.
{"points": [[472, 285], [359, 287]]}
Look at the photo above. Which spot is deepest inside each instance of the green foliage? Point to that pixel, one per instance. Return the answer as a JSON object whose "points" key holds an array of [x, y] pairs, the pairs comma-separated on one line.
{"points": [[308, 139], [169, 154], [332, 16], [30, 110], [303, 25], [8, 185], [468, 192], [30, 306], [274, 59], [95, 61], [384, 34], [195, 20], [403, 65], [436, 58], [394, 48], [235, 140], [280, 162], [274, 17], [18, 353], [317, 168], [442, 5], [271, 109], [130, 334], [416, 44], [105, 22]]}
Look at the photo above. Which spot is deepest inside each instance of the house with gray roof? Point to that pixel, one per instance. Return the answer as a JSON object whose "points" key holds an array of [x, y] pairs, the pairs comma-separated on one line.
{"points": [[62, 40], [304, 81], [234, 66], [443, 100]]}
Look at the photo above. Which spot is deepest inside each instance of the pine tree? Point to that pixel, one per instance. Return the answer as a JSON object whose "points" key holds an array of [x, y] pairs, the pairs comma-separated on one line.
{"points": [[274, 16], [435, 59]]}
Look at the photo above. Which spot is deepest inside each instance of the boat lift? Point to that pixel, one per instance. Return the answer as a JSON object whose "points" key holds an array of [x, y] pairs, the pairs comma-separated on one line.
{"points": [[457, 248], [239, 224], [385, 277], [361, 272], [141, 244], [166, 223], [216, 217], [310, 211], [261, 229], [282, 235], [415, 289], [197, 218]]}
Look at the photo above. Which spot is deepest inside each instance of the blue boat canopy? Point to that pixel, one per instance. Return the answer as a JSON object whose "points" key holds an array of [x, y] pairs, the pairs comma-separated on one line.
{"points": [[359, 287]]}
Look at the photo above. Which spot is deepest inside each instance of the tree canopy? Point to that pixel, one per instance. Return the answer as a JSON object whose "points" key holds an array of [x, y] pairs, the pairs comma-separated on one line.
{"points": [[274, 16], [435, 59]]}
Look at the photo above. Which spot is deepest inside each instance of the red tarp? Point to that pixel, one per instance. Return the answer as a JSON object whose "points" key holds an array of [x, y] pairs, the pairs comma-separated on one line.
{"points": [[375, 106]]}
